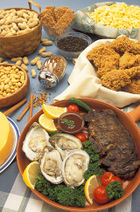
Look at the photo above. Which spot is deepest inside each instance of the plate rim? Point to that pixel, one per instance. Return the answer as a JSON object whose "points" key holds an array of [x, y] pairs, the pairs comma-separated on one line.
{"points": [[12, 155]]}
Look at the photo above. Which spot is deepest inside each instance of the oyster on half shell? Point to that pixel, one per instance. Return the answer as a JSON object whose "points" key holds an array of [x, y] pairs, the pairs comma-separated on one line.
{"points": [[51, 166], [74, 166], [65, 143], [36, 140]]}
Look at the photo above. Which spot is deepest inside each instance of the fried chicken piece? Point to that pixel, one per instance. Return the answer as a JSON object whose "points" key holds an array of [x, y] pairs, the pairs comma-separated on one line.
{"points": [[123, 44], [127, 60], [134, 87], [104, 58], [133, 72], [115, 79], [119, 78], [135, 49]]}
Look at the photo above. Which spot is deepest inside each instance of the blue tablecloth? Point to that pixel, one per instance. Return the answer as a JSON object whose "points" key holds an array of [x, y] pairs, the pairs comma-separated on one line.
{"points": [[14, 195]]}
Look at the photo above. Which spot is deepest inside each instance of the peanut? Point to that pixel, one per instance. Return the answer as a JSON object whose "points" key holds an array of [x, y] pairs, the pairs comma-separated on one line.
{"points": [[18, 63], [39, 64], [45, 54], [34, 61], [47, 43], [15, 59], [33, 73], [25, 60], [43, 49], [24, 67]]}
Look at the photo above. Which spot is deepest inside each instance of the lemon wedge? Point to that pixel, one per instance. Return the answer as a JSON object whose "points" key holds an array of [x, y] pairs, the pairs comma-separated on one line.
{"points": [[30, 174], [90, 186], [47, 123], [53, 112]]}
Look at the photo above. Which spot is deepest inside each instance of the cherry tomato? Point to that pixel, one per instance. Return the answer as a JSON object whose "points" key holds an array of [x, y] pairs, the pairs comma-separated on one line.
{"points": [[106, 178], [82, 137], [116, 178], [100, 194], [73, 108]]}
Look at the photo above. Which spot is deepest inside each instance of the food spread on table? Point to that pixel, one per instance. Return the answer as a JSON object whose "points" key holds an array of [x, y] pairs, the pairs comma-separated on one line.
{"points": [[77, 156]]}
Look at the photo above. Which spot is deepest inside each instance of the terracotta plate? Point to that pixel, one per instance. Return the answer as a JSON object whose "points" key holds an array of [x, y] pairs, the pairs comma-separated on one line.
{"points": [[22, 161]]}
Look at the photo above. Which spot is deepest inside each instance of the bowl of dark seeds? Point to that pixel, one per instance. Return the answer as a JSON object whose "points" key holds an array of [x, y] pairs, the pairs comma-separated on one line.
{"points": [[72, 44]]}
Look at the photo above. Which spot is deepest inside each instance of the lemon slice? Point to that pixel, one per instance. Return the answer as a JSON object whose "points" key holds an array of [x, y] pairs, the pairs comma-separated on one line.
{"points": [[90, 186], [53, 111], [30, 174], [47, 123]]}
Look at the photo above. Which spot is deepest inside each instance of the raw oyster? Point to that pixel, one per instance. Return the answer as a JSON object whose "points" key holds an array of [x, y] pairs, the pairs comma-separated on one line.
{"points": [[51, 166], [65, 143], [74, 166], [36, 140]]}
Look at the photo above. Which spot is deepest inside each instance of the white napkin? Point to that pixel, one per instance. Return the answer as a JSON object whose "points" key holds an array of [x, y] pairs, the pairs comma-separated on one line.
{"points": [[83, 82]]}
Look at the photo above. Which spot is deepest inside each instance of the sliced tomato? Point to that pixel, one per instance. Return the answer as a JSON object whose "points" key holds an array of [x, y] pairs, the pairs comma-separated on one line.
{"points": [[100, 195], [82, 137], [106, 178], [116, 178], [73, 108]]}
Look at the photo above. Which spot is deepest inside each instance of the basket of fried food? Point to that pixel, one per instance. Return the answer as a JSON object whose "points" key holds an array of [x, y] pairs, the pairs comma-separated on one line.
{"points": [[20, 31], [57, 21], [108, 70], [109, 19], [118, 64]]}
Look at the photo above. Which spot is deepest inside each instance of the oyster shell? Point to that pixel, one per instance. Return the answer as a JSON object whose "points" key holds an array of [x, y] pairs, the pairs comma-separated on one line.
{"points": [[51, 166], [74, 166], [36, 140], [65, 143]]}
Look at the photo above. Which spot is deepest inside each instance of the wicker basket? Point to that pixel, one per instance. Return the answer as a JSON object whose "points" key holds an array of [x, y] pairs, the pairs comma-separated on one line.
{"points": [[20, 45]]}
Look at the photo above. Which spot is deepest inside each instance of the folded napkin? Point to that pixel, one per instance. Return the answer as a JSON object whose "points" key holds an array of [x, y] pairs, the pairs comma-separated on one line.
{"points": [[83, 82]]}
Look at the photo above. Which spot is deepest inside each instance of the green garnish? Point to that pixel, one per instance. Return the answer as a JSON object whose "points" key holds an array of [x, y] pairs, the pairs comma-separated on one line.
{"points": [[94, 166], [53, 133], [69, 123], [80, 103], [61, 193], [114, 190]]}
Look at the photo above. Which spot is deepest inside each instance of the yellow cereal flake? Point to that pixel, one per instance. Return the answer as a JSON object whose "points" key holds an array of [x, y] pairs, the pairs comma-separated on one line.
{"points": [[119, 15]]}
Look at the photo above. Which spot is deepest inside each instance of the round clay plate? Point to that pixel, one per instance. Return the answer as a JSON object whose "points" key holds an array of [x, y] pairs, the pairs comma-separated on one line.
{"points": [[22, 161]]}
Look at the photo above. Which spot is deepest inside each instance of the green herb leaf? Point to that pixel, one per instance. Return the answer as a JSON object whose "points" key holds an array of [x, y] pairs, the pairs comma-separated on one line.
{"points": [[114, 190], [69, 123]]}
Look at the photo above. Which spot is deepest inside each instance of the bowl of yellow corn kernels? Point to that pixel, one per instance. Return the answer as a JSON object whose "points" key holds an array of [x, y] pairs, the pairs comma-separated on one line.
{"points": [[109, 20], [14, 84]]}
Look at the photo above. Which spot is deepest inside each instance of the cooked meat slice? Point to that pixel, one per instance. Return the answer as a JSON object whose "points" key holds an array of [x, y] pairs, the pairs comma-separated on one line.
{"points": [[112, 142]]}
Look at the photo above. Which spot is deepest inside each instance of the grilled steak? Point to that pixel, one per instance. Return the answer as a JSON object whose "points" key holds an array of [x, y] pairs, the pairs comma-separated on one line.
{"points": [[112, 142]]}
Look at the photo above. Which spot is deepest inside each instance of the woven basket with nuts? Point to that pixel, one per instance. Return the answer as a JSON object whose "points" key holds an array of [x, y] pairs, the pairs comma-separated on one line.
{"points": [[20, 31]]}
